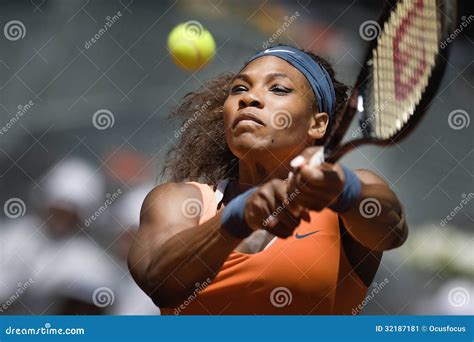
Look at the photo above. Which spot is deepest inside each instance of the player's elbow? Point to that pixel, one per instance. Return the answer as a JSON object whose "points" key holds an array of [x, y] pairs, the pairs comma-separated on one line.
{"points": [[165, 300], [161, 288], [401, 233], [155, 287], [398, 232], [154, 275], [146, 276]]}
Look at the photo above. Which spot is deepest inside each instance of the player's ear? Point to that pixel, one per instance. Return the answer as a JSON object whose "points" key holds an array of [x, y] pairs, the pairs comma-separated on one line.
{"points": [[319, 123]]}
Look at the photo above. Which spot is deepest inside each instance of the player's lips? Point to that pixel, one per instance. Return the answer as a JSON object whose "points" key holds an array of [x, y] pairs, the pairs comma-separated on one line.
{"points": [[247, 118]]}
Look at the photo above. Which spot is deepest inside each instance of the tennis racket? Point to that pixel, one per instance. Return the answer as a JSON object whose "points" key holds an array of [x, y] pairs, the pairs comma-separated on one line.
{"points": [[401, 73]]}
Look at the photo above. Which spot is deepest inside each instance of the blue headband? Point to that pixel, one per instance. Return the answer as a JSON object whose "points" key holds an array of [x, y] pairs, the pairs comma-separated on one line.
{"points": [[317, 76]]}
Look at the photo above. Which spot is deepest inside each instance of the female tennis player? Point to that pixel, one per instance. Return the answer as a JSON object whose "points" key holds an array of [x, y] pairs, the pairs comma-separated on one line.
{"points": [[232, 234]]}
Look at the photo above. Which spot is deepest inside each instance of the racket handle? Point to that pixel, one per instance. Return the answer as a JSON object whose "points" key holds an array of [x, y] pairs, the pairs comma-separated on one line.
{"points": [[316, 159]]}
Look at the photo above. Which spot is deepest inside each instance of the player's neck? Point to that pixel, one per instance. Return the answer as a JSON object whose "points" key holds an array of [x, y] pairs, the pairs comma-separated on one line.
{"points": [[255, 174], [250, 176]]}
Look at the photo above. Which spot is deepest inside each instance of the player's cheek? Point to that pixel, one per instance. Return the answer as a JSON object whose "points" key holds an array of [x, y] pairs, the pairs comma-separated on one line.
{"points": [[227, 113], [293, 135]]}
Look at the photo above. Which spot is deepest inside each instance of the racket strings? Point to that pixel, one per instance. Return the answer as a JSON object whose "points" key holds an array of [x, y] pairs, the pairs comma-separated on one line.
{"points": [[402, 64]]}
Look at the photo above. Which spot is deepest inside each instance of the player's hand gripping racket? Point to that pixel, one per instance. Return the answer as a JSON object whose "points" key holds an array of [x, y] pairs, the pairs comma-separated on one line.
{"points": [[399, 78], [401, 73]]}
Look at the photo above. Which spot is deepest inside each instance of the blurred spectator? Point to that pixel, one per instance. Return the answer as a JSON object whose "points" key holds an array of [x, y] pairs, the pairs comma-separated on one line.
{"points": [[129, 167], [49, 264], [454, 297], [442, 256]]}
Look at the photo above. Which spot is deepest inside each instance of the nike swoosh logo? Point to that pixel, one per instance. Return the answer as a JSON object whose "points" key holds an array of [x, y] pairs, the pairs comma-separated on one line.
{"points": [[298, 236], [278, 50]]}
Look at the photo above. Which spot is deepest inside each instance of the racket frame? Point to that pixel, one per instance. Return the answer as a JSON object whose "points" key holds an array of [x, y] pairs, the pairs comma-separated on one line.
{"points": [[333, 149]]}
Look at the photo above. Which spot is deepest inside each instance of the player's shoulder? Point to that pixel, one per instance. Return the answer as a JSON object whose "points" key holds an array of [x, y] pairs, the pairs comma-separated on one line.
{"points": [[167, 196], [370, 177], [177, 190]]}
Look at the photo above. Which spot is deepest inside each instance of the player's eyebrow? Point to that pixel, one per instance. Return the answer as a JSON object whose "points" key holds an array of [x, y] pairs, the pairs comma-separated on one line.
{"points": [[269, 77], [274, 75]]}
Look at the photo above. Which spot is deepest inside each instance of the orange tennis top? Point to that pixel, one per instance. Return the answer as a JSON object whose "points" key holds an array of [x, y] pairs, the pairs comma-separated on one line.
{"points": [[307, 273]]}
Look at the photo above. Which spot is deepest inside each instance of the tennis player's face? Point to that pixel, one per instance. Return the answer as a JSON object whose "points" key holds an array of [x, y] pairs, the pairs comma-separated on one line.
{"points": [[269, 109]]}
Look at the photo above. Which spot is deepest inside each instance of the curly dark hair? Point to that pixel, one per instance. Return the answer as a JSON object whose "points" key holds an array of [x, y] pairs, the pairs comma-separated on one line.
{"points": [[201, 152]]}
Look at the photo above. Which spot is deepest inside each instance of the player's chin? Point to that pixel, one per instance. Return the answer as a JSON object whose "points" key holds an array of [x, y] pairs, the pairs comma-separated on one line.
{"points": [[247, 133], [242, 143]]}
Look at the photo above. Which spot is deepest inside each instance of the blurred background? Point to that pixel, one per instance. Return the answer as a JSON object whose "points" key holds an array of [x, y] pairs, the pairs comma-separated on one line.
{"points": [[71, 185]]}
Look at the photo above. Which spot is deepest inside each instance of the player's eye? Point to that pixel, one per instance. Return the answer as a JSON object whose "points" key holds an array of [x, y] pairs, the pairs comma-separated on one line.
{"points": [[238, 89], [280, 90]]}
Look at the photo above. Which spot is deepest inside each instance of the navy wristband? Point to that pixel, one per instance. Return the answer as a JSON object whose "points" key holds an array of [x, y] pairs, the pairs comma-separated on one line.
{"points": [[350, 194], [233, 216]]}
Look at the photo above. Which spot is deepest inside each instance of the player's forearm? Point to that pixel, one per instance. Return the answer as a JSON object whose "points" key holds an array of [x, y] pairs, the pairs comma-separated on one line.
{"points": [[377, 219], [188, 257]]}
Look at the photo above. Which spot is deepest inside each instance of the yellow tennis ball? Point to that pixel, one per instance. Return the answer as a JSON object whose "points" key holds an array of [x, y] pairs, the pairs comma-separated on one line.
{"points": [[191, 45]]}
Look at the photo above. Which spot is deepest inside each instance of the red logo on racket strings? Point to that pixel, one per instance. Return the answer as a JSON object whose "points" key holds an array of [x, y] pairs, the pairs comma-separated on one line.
{"points": [[401, 57]]}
